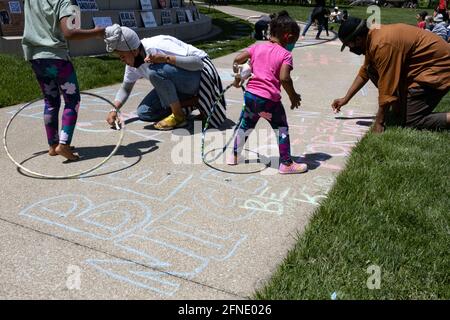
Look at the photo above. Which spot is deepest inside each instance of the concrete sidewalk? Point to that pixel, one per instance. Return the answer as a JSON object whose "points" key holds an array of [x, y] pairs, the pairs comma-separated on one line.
{"points": [[156, 223]]}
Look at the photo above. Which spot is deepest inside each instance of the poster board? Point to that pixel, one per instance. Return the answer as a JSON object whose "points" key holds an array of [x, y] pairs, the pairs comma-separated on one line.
{"points": [[148, 19], [128, 19], [166, 17], [189, 15], [12, 20], [146, 5], [181, 16], [102, 22], [15, 7], [87, 5]]}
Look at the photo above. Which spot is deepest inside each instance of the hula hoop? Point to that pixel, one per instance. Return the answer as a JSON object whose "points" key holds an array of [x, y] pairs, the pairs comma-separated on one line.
{"points": [[266, 165], [70, 176], [213, 108]]}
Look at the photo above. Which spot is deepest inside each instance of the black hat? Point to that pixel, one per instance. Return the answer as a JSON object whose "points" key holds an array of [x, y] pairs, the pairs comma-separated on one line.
{"points": [[349, 29]]}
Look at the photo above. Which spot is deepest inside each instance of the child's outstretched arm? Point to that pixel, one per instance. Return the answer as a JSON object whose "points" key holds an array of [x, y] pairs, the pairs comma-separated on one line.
{"points": [[288, 85], [240, 59], [79, 34]]}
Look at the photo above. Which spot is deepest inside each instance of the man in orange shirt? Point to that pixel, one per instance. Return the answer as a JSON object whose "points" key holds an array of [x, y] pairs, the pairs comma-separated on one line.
{"points": [[409, 66]]}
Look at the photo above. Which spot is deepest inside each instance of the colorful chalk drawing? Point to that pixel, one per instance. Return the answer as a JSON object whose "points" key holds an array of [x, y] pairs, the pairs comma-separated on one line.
{"points": [[77, 213], [157, 243], [272, 204], [277, 203], [311, 59], [158, 186], [159, 249], [332, 137]]}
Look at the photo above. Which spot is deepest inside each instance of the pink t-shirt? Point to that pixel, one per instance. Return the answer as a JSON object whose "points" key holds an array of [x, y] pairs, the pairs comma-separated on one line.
{"points": [[266, 60]]}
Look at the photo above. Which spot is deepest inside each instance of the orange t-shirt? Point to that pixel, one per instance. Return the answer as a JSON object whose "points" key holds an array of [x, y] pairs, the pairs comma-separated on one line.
{"points": [[406, 55]]}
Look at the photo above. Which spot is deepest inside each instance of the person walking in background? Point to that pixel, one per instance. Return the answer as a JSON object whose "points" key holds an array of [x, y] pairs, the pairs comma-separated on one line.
{"points": [[321, 18], [262, 26], [317, 7]]}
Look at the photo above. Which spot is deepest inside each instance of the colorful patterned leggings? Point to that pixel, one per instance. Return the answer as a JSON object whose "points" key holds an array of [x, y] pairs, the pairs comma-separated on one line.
{"points": [[56, 76], [255, 108]]}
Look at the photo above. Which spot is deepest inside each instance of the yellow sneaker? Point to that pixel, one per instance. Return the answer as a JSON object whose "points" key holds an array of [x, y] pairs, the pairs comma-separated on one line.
{"points": [[171, 122]]}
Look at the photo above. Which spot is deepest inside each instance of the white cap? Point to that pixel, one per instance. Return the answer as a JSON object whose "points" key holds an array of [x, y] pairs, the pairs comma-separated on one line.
{"points": [[439, 18], [121, 38]]}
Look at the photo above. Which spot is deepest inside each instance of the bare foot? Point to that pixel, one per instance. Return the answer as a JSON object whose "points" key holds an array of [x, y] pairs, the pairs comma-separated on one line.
{"points": [[52, 150], [65, 151]]}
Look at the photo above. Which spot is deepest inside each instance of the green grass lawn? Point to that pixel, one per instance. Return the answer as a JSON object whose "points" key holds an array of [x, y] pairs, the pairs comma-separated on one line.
{"points": [[390, 208], [19, 85], [230, 40]]}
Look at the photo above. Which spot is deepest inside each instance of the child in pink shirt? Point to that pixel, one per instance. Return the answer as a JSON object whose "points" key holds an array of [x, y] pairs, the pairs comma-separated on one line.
{"points": [[271, 64], [421, 19]]}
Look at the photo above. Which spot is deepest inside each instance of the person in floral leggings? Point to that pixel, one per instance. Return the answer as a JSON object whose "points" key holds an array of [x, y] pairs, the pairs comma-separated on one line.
{"points": [[55, 76], [48, 24]]}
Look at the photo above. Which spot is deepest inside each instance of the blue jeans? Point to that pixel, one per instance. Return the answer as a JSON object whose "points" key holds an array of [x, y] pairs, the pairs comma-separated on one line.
{"points": [[171, 84], [308, 24]]}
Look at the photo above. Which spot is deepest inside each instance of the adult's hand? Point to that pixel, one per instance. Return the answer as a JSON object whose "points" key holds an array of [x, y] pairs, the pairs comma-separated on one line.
{"points": [[237, 81], [338, 104], [112, 117], [378, 127], [156, 58]]}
